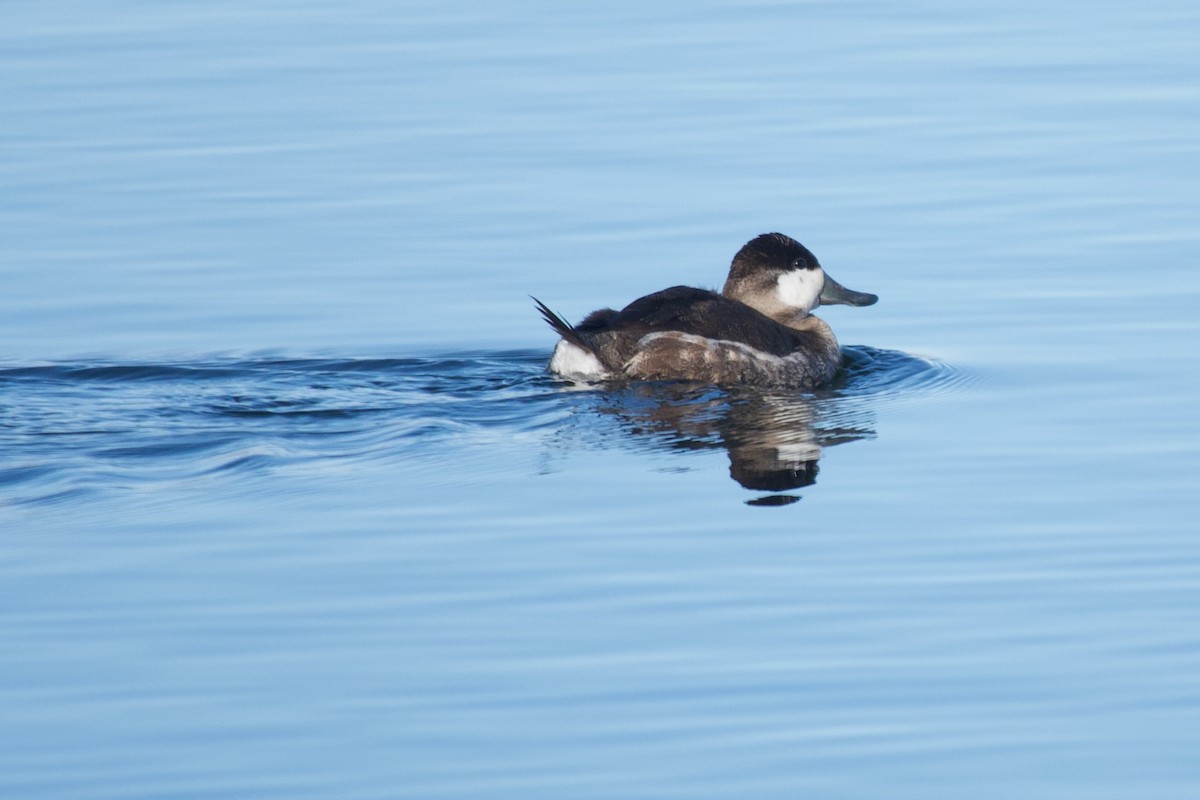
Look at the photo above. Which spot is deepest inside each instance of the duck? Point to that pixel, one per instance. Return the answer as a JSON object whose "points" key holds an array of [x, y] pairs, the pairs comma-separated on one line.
{"points": [[758, 331]]}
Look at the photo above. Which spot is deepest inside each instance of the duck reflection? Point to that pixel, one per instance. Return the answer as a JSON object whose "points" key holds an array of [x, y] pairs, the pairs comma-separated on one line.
{"points": [[774, 441]]}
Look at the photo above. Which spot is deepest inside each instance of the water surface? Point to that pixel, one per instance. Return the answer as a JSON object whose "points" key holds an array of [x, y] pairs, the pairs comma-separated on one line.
{"points": [[289, 507]]}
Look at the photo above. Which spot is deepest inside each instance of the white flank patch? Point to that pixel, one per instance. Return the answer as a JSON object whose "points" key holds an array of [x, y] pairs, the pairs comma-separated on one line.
{"points": [[572, 361], [801, 288]]}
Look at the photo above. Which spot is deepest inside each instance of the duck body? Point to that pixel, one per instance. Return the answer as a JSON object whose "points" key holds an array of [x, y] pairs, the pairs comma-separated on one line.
{"points": [[758, 331]]}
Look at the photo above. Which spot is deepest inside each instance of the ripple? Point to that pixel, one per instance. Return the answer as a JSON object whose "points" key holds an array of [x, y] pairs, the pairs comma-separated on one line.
{"points": [[774, 439], [84, 426], [114, 373], [869, 371]]}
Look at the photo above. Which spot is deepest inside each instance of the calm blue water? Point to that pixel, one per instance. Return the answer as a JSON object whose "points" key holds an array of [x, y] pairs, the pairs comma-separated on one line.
{"points": [[289, 508]]}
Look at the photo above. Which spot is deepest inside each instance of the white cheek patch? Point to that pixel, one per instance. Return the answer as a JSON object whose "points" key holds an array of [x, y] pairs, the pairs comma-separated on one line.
{"points": [[801, 288]]}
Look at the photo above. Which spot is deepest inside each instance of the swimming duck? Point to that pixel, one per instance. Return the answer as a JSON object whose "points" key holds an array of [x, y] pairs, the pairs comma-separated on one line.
{"points": [[758, 331]]}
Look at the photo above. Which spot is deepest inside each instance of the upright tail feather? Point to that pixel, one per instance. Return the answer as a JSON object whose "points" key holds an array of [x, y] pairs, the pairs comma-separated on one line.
{"points": [[563, 328]]}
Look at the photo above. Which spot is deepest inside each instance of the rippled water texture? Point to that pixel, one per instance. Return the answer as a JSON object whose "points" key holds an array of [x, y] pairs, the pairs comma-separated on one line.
{"points": [[289, 507], [82, 428]]}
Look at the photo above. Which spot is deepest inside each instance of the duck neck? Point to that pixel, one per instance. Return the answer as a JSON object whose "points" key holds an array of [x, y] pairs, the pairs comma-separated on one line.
{"points": [[816, 328], [800, 321]]}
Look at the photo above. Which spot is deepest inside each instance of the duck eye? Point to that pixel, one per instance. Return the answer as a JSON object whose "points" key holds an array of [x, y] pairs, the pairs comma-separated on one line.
{"points": [[800, 263]]}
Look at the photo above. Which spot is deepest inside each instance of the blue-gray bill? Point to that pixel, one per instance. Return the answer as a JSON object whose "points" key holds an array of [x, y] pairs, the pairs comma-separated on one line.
{"points": [[836, 294]]}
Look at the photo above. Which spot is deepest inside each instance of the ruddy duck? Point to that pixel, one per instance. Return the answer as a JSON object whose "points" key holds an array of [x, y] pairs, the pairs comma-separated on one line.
{"points": [[759, 331]]}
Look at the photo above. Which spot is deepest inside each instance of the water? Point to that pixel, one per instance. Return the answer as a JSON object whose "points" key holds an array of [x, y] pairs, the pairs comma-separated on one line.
{"points": [[290, 509]]}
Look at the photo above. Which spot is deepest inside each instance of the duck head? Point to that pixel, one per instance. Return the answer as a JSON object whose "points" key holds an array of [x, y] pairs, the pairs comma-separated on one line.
{"points": [[780, 277]]}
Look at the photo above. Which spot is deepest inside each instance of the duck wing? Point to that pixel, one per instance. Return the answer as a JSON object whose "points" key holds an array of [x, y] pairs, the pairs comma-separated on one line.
{"points": [[699, 312]]}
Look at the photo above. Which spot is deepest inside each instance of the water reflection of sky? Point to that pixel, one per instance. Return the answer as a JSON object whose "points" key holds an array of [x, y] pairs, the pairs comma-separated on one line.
{"points": [[295, 178]]}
